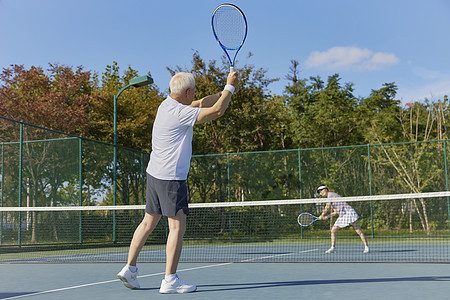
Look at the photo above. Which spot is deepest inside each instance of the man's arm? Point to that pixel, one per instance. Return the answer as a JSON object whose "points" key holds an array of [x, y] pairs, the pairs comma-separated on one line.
{"points": [[208, 101], [220, 105]]}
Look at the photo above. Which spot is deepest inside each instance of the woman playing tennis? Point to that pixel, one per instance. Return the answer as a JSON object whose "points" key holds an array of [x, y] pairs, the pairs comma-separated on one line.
{"points": [[347, 216]]}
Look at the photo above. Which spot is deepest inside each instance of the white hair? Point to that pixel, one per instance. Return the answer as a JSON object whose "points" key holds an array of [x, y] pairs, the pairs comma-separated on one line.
{"points": [[180, 82]]}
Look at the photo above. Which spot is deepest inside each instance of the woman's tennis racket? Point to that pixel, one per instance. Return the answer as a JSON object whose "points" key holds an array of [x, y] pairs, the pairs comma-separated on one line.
{"points": [[306, 219], [229, 26]]}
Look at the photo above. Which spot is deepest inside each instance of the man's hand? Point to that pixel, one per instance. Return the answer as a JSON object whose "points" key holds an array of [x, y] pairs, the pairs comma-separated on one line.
{"points": [[233, 80]]}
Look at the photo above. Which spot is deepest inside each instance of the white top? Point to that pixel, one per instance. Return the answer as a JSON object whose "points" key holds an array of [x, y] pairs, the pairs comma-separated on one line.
{"points": [[341, 207], [172, 133], [347, 215]]}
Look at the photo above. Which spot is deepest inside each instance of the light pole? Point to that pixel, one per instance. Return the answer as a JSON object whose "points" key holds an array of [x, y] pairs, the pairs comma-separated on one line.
{"points": [[135, 82]]}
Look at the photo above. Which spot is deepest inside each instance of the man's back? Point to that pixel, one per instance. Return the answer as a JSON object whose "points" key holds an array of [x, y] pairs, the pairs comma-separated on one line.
{"points": [[172, 140]]}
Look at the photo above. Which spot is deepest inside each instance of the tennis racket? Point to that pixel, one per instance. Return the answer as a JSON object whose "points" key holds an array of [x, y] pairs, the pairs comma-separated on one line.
{"points": [[306, 219], [229, 26]]}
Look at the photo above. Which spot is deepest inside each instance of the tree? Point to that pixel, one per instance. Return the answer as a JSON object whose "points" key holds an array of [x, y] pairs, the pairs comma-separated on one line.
{"points": [[244, 125], [323, 115], [417, 166], [379, 115], [57, 99], [136, 110]]}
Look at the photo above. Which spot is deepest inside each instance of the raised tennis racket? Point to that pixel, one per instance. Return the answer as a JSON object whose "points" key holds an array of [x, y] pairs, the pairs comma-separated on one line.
{"points": [[306, 219], [229, 26]]}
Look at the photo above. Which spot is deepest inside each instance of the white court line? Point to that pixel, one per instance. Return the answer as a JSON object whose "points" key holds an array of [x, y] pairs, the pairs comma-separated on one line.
{"points": [[272, 256], [149, 275], [107, 281]]}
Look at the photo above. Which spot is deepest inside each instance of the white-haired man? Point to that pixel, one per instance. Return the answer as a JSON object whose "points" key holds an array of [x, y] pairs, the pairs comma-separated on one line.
{"points": [[167, 173]]}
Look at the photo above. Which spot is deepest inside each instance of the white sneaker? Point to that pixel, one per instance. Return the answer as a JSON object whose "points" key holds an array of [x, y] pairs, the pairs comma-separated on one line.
{"points": [[129, 279], [176, 286], [331, 250], [366, 250]]}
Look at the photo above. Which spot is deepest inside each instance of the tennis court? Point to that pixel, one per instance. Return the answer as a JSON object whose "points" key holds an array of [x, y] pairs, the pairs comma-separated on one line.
{"points": [[61, 242], [235, 268], [347, 251], [231, 281]]}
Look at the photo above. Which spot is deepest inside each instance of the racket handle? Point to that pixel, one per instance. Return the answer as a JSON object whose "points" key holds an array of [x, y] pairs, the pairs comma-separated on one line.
{"points": [[231, 69]]}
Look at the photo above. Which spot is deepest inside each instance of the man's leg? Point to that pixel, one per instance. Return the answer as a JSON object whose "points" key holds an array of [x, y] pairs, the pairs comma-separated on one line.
{"points": [[129, 273], [140, 236], [177, 228], [171, 282]]}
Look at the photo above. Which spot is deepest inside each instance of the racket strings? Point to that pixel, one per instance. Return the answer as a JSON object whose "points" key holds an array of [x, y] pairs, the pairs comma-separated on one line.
{"points": [[305, 219], [229, 26]]}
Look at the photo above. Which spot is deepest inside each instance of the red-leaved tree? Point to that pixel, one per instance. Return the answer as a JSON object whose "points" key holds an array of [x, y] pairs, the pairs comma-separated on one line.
{"points": [[57, 98]]}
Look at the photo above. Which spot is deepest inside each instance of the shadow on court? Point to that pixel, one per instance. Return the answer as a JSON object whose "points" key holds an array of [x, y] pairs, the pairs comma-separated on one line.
{"points": [[257, 285], [8, 295]]}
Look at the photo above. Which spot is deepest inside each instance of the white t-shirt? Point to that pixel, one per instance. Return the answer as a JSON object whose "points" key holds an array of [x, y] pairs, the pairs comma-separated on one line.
{"points": [[172, 133], [347, 214]]}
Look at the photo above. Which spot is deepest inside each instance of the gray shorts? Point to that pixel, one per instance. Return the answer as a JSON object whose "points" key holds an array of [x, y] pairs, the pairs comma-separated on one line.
{"points": [[166, 197]]}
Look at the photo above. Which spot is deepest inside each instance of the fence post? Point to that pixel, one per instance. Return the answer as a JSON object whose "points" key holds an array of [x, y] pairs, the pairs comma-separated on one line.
{"points": [[80, 178], [114, 192], [19, 233], [2, 189], [300, 191], [143, 177], [446, 180], [370, 188], [229, 195]]}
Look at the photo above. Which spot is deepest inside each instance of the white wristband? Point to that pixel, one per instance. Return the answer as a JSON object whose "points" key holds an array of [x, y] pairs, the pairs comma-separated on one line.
{"points": [[229, 88]]}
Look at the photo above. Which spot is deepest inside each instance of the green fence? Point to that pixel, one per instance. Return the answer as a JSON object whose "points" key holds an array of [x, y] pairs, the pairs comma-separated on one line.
{"points": [[43, 168]]}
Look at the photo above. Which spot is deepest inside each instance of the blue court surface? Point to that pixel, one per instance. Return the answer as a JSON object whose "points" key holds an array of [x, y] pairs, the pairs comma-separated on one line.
{"points": [[436, 252], [231, 281]]}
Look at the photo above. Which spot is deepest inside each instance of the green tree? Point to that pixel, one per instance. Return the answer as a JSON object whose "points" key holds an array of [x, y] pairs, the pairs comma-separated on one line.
{"points": [[244, 127], [323, 114], [379, 116], [136, 110]]}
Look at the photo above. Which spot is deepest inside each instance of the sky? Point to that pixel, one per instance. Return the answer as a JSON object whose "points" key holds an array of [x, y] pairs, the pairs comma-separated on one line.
{"points": [[368, 43]]}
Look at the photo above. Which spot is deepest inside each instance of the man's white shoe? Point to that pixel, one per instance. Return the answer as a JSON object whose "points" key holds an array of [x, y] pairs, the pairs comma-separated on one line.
{"points": [[366, 250], [129, 279], [331, 250], [176, 286]]}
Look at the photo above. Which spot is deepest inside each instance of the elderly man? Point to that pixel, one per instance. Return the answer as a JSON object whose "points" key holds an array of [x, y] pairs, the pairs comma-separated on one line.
{"points": [[167, 173]]}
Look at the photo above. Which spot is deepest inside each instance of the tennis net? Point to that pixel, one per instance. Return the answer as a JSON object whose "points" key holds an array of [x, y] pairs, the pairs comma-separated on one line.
{"points": [[398, 228]]}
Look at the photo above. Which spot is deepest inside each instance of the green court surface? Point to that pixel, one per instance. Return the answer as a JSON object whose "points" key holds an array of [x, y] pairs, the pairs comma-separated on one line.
{"points": [[231, 281]]}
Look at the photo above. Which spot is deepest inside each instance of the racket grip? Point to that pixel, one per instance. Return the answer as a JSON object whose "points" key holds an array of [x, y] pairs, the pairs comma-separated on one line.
{"points": [[231, 69]]}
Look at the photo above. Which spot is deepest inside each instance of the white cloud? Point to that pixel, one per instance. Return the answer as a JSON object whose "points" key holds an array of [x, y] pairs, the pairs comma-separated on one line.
{"points": [[350, 58], [426, 74], [434, 90]]}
